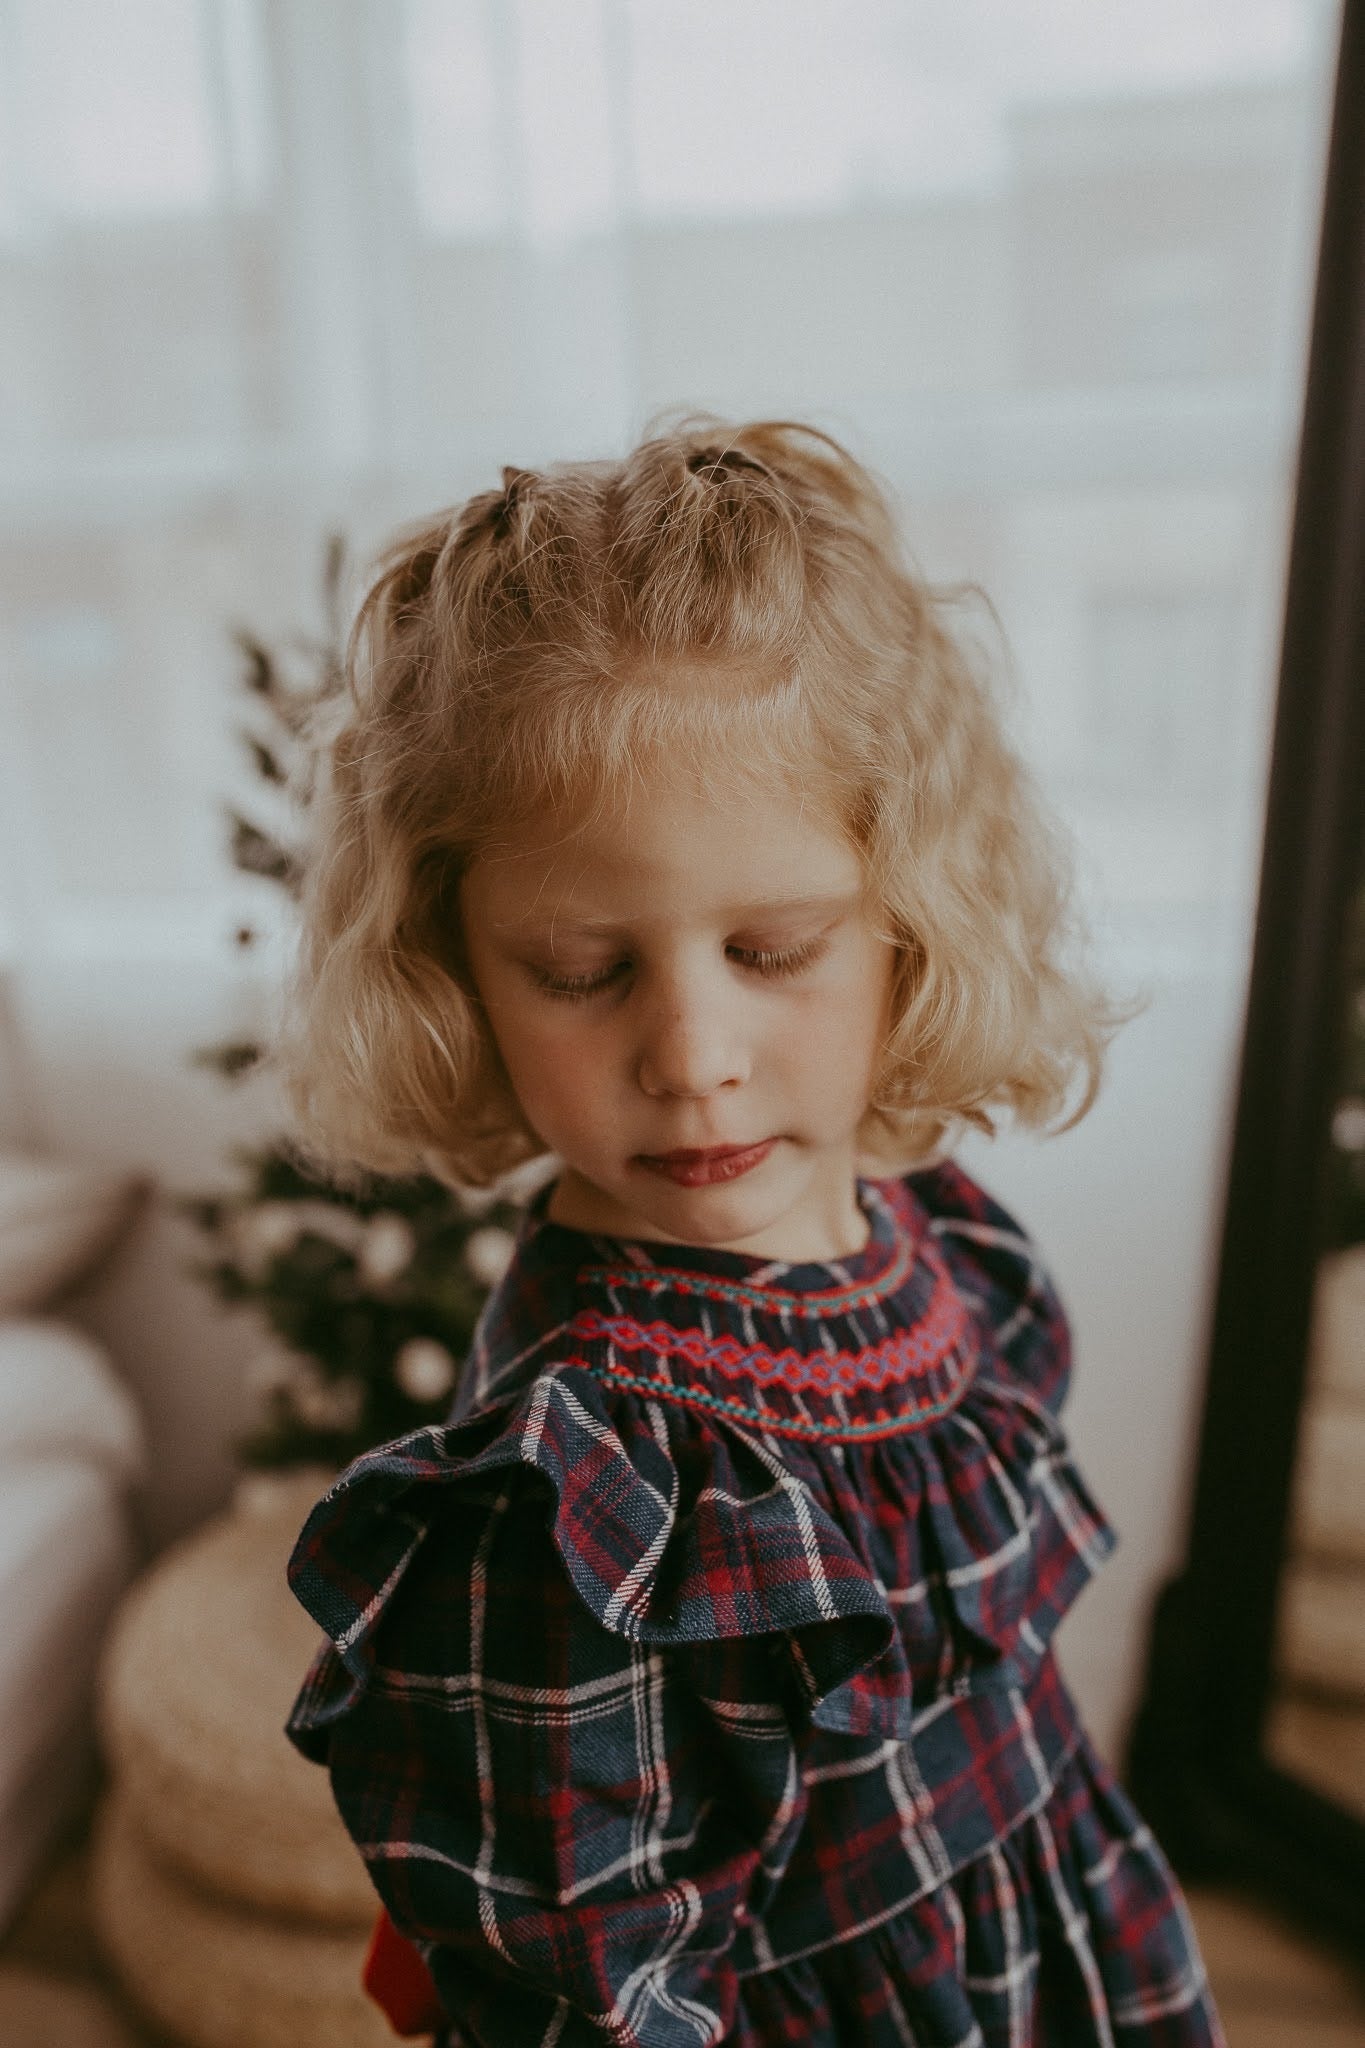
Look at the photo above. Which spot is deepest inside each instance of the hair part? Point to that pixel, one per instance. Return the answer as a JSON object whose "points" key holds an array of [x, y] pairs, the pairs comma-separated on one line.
{"points": [[540, 650]]}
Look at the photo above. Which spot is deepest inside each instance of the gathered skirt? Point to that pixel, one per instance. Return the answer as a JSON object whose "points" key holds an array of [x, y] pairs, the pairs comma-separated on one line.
{"points": [[1070, 1932]]}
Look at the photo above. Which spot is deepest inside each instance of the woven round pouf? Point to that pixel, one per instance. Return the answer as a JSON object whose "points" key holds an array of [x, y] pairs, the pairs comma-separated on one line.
{"points": [[198, 1674], [213, 1974], [42, 2011]]}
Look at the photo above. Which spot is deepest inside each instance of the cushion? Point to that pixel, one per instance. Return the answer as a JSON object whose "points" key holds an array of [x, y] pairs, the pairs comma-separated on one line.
{"points": [[57, 1219], [66, 1553], [59, 1399], [53, 2012], [210, 1971], [195, 1684]]}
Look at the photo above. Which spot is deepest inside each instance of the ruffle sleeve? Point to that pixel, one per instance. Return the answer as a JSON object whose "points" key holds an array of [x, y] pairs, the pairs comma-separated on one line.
{"points": [[672, 1534], [565, 1826]]}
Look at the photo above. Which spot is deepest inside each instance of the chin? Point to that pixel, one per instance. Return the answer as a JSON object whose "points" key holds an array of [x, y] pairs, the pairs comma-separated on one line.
{"points": [[714, 1215]]}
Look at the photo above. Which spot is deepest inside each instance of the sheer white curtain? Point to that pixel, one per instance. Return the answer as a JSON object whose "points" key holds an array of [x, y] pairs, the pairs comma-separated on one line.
{"points": [[273, 266], [269, 268]]}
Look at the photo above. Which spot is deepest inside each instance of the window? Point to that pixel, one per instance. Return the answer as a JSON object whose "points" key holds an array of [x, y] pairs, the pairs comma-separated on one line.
{"points": [[267, 271]]}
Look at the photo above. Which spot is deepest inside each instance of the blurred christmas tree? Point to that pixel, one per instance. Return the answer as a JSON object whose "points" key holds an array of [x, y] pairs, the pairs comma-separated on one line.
{"points": [[369, 1298]]}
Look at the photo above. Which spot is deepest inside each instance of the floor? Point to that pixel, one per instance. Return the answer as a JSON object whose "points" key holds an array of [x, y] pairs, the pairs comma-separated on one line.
{"points": [[1275, 1988]]}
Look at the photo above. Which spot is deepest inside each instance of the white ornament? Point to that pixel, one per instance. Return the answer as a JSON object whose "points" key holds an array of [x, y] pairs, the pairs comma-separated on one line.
{"points": [[424, 1369], [261, 1234], [386, 1249], [269, 1229], [341, 1227], [488, 1254], [324, 1403]]}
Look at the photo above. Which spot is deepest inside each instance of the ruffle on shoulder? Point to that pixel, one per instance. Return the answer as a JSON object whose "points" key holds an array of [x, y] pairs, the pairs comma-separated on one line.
{"points": [[657, 1546], [879, 1577]]}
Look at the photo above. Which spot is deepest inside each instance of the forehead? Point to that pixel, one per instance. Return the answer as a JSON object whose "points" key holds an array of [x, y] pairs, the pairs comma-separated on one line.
{"points": [[673, 848]]}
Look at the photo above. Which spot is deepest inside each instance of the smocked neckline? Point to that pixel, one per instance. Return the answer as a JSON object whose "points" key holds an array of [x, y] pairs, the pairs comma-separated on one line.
{"points": [[879, 1265]]}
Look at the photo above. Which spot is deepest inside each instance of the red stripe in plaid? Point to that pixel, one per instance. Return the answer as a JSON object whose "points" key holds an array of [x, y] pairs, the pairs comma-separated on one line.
{"points": [[631, 1707]]}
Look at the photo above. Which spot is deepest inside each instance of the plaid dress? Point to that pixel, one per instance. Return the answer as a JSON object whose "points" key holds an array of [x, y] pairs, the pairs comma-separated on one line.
{"points": [[692, 1683]]}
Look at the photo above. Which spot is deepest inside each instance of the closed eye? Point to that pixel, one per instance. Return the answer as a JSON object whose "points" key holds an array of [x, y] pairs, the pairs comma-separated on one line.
{"points": [[777, 964], [577, 984], [772, 964]]}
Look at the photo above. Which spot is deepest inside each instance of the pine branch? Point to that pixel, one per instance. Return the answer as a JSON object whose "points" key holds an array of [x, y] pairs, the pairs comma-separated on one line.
{"points": [[333, 572], [232, 1060], [254, 852], [258, 665], [263, 759]]}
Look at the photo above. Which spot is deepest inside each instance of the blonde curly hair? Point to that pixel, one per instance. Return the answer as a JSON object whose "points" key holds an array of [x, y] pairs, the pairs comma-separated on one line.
{"points": [[512, 658]]}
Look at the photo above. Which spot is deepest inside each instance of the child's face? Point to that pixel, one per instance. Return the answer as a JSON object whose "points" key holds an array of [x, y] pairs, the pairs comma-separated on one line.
{"points": [[697, 974]]}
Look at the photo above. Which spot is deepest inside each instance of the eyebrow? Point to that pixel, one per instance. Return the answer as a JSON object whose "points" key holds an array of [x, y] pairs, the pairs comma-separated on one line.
{"points": [[542, 920]]}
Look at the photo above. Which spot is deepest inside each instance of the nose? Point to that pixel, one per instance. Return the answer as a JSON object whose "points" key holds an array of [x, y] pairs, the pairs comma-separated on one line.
{"points": [[690, 1044]]}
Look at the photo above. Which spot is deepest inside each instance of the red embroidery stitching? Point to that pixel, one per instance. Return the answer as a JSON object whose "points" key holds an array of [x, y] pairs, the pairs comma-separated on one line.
{"points": [[906, 1354]]}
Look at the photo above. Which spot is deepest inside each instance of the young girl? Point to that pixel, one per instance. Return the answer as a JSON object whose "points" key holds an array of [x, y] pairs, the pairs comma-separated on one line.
{"points": [[692, 1683]]}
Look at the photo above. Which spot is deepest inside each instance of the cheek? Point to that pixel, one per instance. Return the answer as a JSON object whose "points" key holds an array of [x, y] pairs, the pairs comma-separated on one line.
{"points": [[852, 1012], [845, 1032], [554, 1065]]}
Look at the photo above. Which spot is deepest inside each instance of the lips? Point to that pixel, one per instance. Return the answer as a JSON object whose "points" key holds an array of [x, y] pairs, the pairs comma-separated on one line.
{"points": [[695, 1169]]}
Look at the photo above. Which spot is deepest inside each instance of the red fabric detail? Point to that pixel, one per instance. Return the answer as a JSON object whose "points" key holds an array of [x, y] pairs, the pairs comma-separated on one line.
{"points": [[399, 1982]]}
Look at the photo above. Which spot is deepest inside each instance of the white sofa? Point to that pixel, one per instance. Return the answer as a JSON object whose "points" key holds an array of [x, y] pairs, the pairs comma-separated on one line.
{"points": [[72, 1446]]}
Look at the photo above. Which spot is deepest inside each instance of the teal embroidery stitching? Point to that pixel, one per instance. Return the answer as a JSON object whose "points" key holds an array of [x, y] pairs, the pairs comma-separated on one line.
{"points": [[740, 1411]]}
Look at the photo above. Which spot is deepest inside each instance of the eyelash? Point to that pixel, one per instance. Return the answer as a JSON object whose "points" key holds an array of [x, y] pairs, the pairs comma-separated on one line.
{"points": [[772, 965]]}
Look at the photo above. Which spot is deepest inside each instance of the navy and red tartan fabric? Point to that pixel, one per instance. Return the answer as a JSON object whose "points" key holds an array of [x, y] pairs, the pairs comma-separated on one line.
{"points": [[702, 1657]]}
